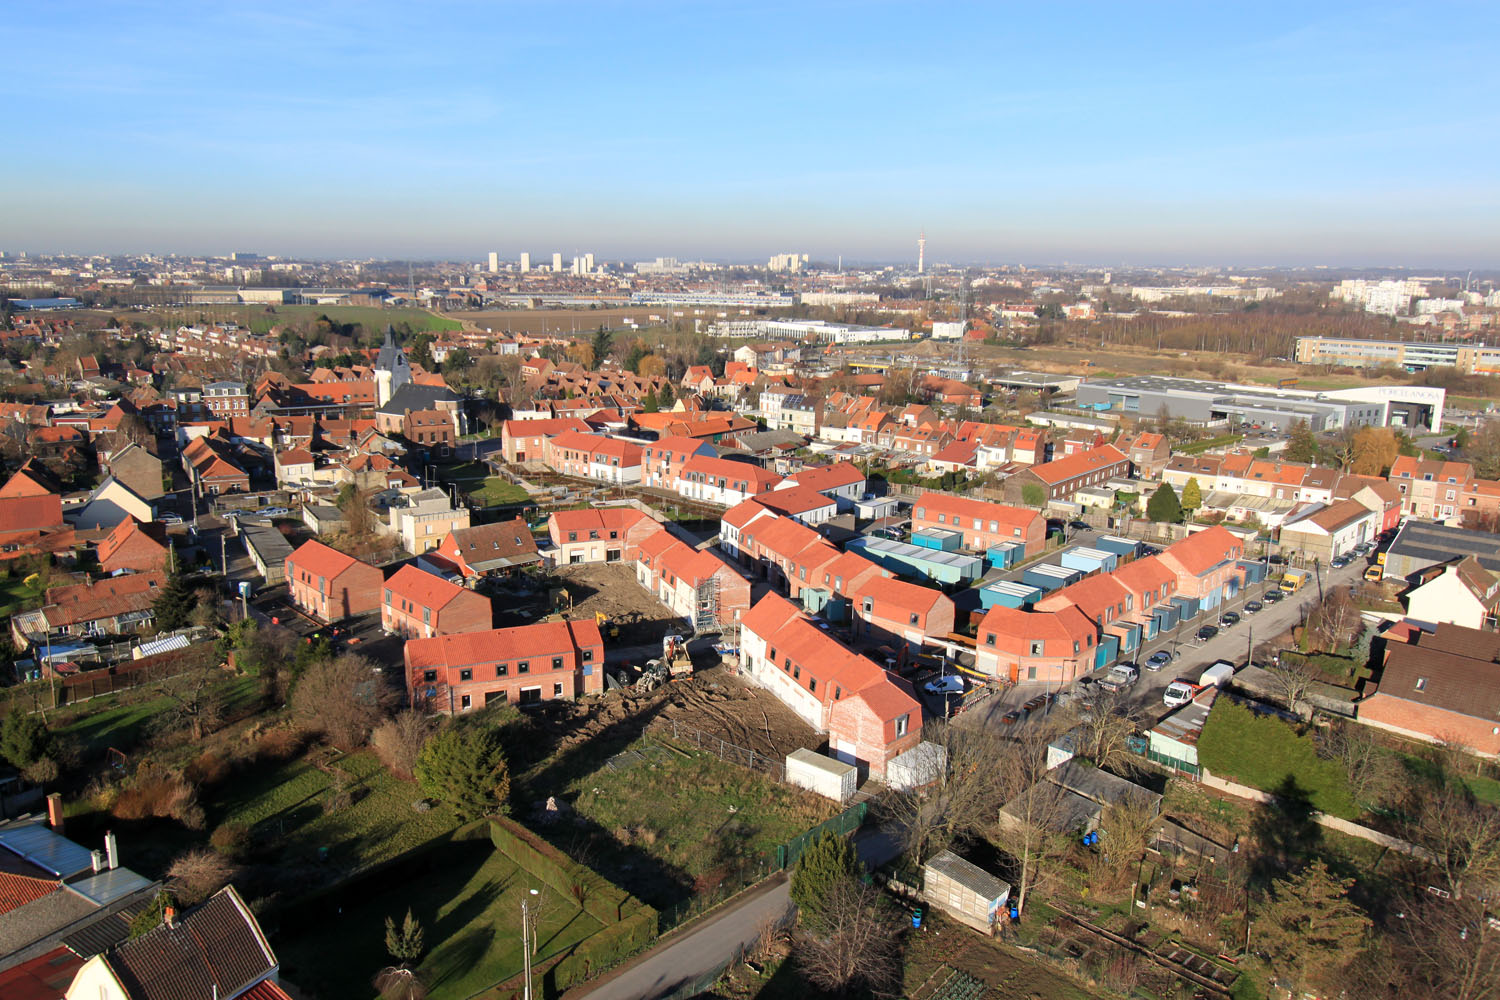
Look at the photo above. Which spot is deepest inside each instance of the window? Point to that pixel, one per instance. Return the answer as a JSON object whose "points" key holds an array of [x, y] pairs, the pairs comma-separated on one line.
{"points": [[869, 605], [429, 676], [1037, 647], [557, 663], [523, 667], [557, 690], [989, 640], [501, 670], [812, 685], [466, 675], [572, 536], [922, 513], [466, 702], [1031, 673], [916, 619], [797, 672], [838, 692], [773, 654], [903, 723], [426, 616], [1421, 684], [587, 656], [387, 595]]}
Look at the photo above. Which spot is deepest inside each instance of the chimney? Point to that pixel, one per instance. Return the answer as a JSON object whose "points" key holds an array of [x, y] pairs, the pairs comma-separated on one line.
{"points": [[169, 916], [111, 850], [55, 812], [98, 859]]}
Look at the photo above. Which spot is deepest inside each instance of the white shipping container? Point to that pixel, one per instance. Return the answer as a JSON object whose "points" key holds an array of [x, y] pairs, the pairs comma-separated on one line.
{"points": [[921, 765], [828, 777]]}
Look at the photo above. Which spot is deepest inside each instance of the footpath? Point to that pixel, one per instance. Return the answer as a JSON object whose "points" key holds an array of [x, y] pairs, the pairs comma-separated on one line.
{"points": [[696, 950]]}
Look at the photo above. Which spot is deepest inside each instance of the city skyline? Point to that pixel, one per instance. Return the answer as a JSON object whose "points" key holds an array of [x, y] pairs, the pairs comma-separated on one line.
{"points": [[1173, 136]]}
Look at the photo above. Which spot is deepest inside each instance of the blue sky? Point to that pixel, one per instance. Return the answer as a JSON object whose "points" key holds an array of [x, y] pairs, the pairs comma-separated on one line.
{"points": [[1109, 133]]}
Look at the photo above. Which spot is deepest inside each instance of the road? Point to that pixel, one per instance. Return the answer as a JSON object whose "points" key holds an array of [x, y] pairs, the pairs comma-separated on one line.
{"points": [[1233, 644], [704, 946]]}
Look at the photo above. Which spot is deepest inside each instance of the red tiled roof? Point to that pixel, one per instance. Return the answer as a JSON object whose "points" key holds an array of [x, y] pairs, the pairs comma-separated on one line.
{"points": [[318, 559], [521, 642], [1078, 464], [422, 588], [30, 513], [1202, 551], [828, 477], [793, 500]]}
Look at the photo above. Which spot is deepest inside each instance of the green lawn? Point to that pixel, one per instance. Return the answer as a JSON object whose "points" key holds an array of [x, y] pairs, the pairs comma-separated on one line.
{"points": [[16, 596], [1268, 753], [695, 816], [371, 317], [474, 479], [283, 803], [469, 904]]}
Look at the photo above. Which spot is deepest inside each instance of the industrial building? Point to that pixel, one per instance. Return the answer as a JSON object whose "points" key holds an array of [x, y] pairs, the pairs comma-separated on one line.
{"points": [[1199, 401]]}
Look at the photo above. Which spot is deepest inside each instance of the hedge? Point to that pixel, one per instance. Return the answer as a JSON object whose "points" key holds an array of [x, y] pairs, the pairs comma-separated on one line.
{"points": [[598, 898], [1266, 752], [613, 944]]}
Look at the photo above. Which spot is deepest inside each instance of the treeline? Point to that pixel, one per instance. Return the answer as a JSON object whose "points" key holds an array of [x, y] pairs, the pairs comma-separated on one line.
{"points": [[1261, 332]]}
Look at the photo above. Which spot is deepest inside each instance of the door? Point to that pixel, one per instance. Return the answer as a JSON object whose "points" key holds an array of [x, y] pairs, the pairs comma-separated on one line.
{"points": [[844, 751]]}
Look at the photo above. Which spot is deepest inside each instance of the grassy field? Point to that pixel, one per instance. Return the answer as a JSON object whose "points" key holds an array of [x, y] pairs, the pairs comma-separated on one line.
{"points": [[469, 904], [261, 321], [692, 815], [123, 720], [473, 479], [1266, 752], [283, 803], [16, 595]]}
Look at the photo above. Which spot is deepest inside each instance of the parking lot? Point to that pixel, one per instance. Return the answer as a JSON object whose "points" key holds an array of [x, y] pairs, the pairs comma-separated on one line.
{"points": [[1189, 655]]}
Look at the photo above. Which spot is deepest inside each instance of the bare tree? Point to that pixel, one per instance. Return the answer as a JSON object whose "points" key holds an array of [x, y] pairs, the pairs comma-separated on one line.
{"points": [[1103, 734], [197, 702], [1127, 828], [1336, 619], [198, 873], [1291, 679], [399, 741], [963, 800], [399, 983], [1449, 946], [1371, 773], [1033, 823], [858, 946], [343, 698], [1460, 835]]}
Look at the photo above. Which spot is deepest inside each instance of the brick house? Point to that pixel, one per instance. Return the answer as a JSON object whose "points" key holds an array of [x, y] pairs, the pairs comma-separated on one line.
{"points": [[1430, 489], [1206, 565], [1055, 647], [137, 468], [593, 456], [1441, 687], [330, 585], [695, 585], [841, 481], [521, 440], [1463, 593], [133, 546], [1061, 478], [601, 534], [1148, 452], [523, 666], [294, 465], [869, 716], [895, 612], [420, 605], [1330, 531], [429, 429], [112, 606], [982, 523], [489, 550], [662, 460]]}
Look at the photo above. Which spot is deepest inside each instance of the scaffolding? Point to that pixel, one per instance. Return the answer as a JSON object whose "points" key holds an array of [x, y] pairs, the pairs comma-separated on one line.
{"points": [[707, 616]]}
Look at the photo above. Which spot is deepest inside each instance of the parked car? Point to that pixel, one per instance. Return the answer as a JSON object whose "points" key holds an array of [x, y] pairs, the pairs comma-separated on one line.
{"points": [[1207, 632], [1229, 619], [1080, 526], [1272, 596], [1339, 562], [1087, 681], [951, 684], [274, 511], [1252, 606], [169, 519], [1158, 659]]}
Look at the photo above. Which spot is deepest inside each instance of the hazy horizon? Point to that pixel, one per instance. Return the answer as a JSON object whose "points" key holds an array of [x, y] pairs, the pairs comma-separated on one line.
{"points": [[1114, 137]]}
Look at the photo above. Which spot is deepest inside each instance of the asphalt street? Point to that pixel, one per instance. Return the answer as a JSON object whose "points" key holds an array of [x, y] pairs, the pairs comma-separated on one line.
{"points": [[1233, 644]]}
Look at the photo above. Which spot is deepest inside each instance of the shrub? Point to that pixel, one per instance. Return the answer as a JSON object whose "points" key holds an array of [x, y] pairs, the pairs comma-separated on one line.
{"points": [[197, 874], [280, 744], [207, 769], [157, 793], [231, 839], [399, 741]]}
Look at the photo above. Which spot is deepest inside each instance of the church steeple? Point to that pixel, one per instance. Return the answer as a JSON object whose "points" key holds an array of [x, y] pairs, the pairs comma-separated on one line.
{"points": [[392, 370]]}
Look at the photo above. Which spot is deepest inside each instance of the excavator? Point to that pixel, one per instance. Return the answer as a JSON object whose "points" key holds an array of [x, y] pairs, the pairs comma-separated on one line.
{"points": [[675, 655]]}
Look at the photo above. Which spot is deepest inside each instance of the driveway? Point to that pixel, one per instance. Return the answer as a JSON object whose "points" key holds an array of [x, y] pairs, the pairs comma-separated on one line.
{"points": [[1234, 644]]}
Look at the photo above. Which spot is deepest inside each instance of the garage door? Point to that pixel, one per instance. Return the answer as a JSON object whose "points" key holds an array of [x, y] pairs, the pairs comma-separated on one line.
{"points": [[844, 751]]}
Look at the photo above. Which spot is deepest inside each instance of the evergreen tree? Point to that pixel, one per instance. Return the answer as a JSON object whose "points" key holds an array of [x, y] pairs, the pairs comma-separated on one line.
{"points": [[404, 943], [1309, 927], [826, 862], [23, 739], [666, 395], [1163, 505], [650, 404], [464, 766], [1192, 495], [175, 604], [601, 343], [1302, 446]]}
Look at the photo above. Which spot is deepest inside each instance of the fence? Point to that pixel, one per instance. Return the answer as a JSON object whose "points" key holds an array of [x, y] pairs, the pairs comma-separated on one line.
{"points": [[720, 748], [848, 821]]}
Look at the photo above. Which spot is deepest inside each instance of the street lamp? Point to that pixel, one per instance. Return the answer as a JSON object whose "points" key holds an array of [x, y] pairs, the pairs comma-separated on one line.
{"points": [[527, 937]]}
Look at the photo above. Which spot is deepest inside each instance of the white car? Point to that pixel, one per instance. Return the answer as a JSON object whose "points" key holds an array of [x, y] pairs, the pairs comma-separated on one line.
{"points": [[274, 511], [949, 684], [169, 519]]}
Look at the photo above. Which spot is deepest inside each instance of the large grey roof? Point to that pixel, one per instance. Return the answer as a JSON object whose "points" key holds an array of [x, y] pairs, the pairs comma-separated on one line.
{"points": [[38, 844], [418, 397], [1432, 542]]}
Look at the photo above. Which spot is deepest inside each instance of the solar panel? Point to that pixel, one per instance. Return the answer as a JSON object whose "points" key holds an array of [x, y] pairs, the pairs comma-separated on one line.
{"points": [[45, 849]]}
